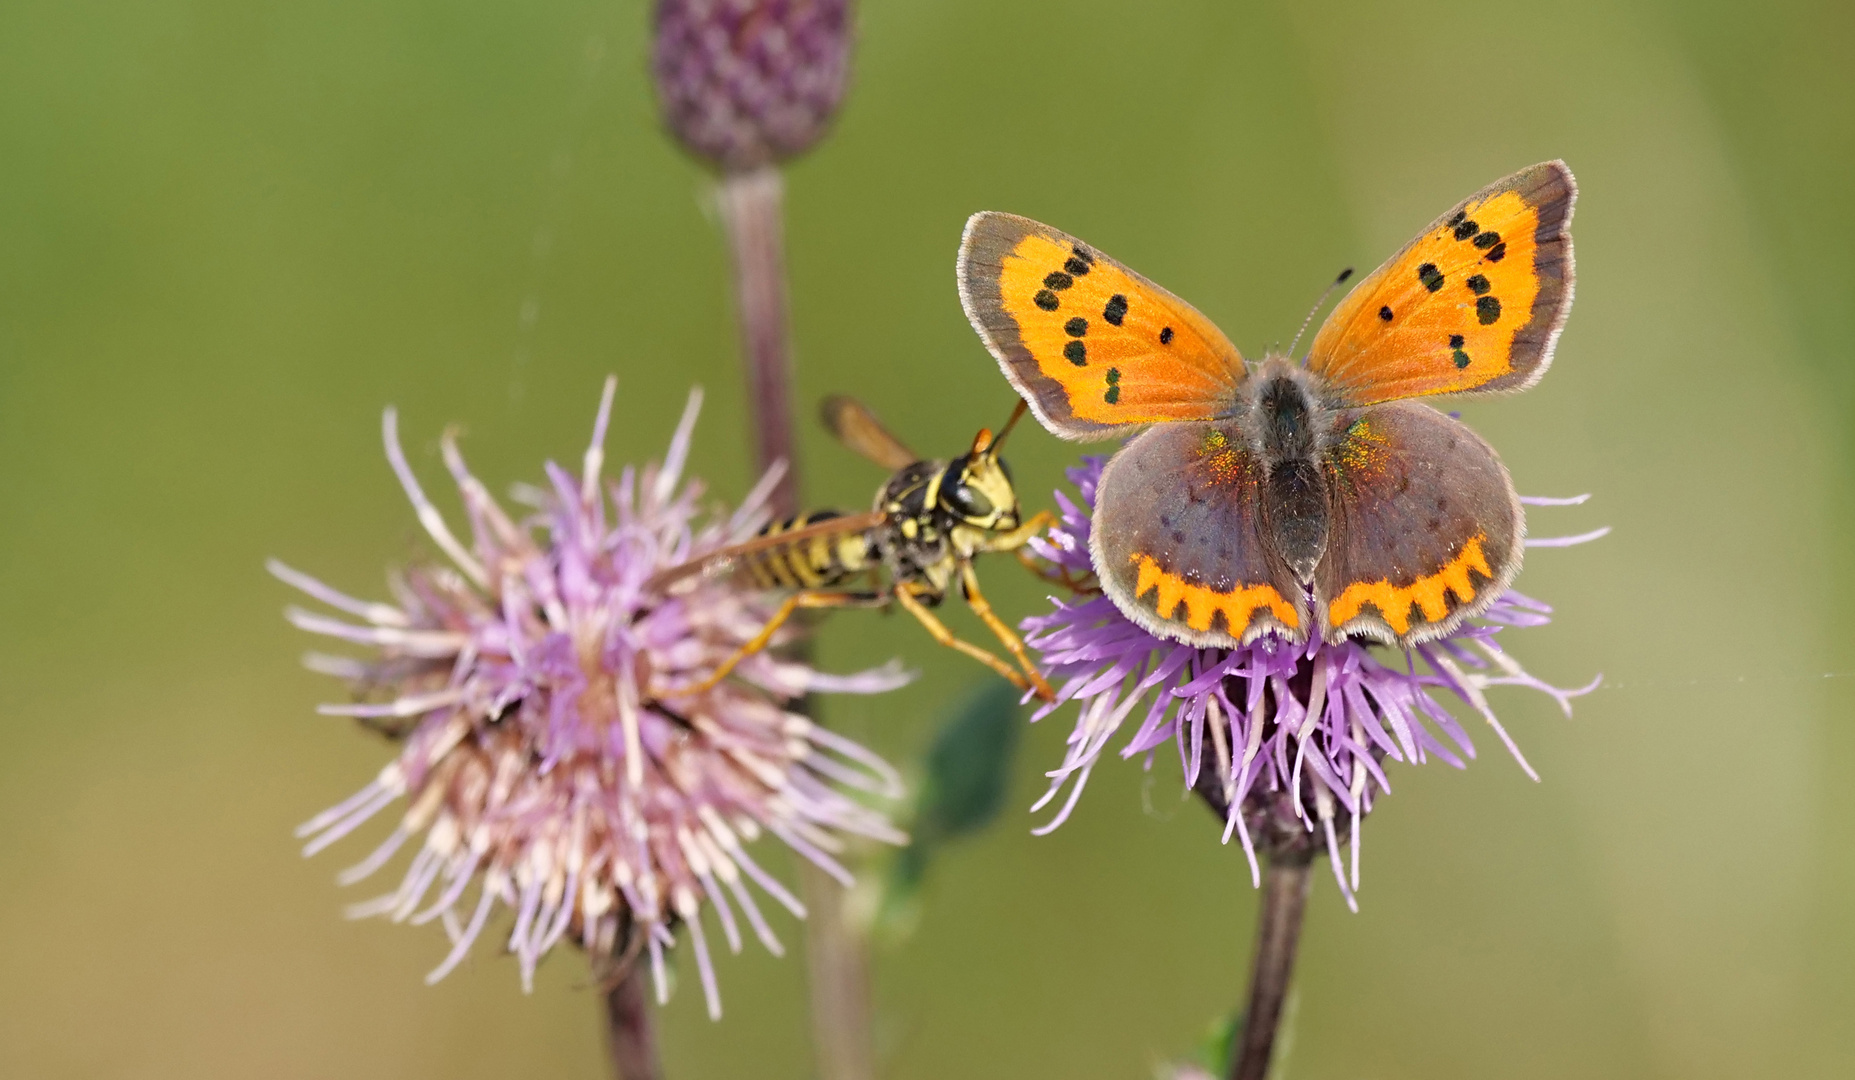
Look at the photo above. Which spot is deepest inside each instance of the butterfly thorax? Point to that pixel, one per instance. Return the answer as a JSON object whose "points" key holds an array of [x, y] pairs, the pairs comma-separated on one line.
{"points": [[1290, 425]]}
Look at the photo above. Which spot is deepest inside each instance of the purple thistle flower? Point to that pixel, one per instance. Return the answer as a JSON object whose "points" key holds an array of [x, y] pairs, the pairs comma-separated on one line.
{"points": [[545, 755], [1298, 733]]}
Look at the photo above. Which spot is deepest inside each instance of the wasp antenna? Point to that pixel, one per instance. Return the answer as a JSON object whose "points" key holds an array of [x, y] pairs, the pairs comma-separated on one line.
{"points": [[1017, 414], [1318, 304]]}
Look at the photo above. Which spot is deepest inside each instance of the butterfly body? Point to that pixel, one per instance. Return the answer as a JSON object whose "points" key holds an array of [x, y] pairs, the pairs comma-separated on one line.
{"points": [[1283, 497]]}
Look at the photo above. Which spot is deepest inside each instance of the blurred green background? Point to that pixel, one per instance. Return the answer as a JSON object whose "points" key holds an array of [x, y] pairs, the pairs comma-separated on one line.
{"points": [[230, 232]]}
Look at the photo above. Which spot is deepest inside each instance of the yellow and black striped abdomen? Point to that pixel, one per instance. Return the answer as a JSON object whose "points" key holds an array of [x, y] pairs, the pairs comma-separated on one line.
{"points": [[815, 562]]}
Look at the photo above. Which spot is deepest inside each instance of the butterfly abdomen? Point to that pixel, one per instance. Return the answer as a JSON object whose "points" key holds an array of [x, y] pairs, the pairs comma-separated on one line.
{"points": [[812, 563]]}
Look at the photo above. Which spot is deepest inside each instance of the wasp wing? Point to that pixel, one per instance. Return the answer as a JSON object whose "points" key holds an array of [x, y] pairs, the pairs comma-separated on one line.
{"points": [[716, 562], [857, 427]]}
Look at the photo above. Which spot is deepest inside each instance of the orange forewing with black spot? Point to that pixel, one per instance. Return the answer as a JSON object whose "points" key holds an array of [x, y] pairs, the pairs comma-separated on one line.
{"points": [[1425, 527], [1475, 303], [1090, 344]]}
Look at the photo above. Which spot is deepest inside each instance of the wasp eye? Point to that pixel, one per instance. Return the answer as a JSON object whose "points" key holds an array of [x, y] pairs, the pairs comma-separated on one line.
{"points": [[962, 498]]}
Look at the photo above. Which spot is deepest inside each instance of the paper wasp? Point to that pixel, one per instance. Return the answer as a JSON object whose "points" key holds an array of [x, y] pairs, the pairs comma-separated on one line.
{"points": [[930, 520]]}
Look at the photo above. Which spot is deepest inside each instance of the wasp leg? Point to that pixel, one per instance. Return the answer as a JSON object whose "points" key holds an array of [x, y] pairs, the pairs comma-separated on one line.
{"points": [[1075, 583], [807, 599], [904, 595], [1015, 541], [1017, 537], [1005, 634]]}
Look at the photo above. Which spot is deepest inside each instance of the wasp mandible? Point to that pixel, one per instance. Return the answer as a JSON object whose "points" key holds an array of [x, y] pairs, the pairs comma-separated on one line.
{"points": [[931, 519]]}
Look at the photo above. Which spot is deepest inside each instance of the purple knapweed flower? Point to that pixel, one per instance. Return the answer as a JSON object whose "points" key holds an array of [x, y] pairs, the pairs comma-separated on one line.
{"points": [[546, 756], [1298, 733]]}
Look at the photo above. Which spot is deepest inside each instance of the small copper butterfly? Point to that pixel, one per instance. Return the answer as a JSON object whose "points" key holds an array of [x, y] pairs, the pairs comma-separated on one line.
{"points": [[1286, 496]]}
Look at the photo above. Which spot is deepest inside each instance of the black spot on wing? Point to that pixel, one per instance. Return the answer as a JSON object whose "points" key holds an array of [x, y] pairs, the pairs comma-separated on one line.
{"points": [[1076, 327], [1487, 240], [1075, 266], [1488, 310], [1478, 285], [1076, 353], [1384, 313], [1116, 309], [1058, 280], [1431, 277], [1046, 300], [1497, 254], [1466, 229], [1165, 336]]}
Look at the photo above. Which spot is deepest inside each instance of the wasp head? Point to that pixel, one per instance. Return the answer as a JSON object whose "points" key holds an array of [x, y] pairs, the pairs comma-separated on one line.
{"points": [[977, 488]]}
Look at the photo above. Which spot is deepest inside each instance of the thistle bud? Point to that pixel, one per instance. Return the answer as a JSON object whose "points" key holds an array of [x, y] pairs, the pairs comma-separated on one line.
{"points": [[748, 83]]}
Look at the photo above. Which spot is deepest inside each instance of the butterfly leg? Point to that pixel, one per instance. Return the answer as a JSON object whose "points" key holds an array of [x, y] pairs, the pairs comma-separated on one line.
{"points": [[1005, 634], [809, 599], [905, 596]]}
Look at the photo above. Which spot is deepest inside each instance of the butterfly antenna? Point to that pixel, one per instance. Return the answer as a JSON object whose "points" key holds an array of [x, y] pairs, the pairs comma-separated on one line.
{"points": [[1318, 304], [1017, 414]]}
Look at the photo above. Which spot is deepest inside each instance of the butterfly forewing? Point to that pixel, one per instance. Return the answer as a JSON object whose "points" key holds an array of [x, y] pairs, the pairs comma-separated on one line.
{"points": [[1475, 303], [1178, 542], [1425, 527], [1090, 344]]}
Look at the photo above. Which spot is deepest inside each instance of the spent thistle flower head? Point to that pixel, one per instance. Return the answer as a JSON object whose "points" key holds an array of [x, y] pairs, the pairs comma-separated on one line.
{"points": [[545, 755], [747, 83], [1287, 741]]}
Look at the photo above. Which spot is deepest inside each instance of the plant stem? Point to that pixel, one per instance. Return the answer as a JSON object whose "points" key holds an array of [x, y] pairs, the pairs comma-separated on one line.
{"points": [[836, 953], [629, 1034], [750, 205], [1278, 930]]}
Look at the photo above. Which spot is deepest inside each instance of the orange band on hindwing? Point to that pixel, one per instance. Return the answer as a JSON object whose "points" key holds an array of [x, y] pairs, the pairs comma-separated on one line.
{"points": [[1202, 603], [1428, 593]]}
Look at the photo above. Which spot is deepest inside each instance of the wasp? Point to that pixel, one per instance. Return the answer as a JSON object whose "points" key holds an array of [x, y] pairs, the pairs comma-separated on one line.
{"points": [[929, 522]]}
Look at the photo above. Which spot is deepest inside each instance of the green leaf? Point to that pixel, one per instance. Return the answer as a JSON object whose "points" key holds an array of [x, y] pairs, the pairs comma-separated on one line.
{"points": [[1220, 1043], [969, 766]]}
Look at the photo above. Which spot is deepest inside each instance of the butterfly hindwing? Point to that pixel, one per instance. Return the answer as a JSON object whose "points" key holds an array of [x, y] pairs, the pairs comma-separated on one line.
{"points": [[1425, 527], [1178, 542], [1475, 303], [1090, 344]]}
